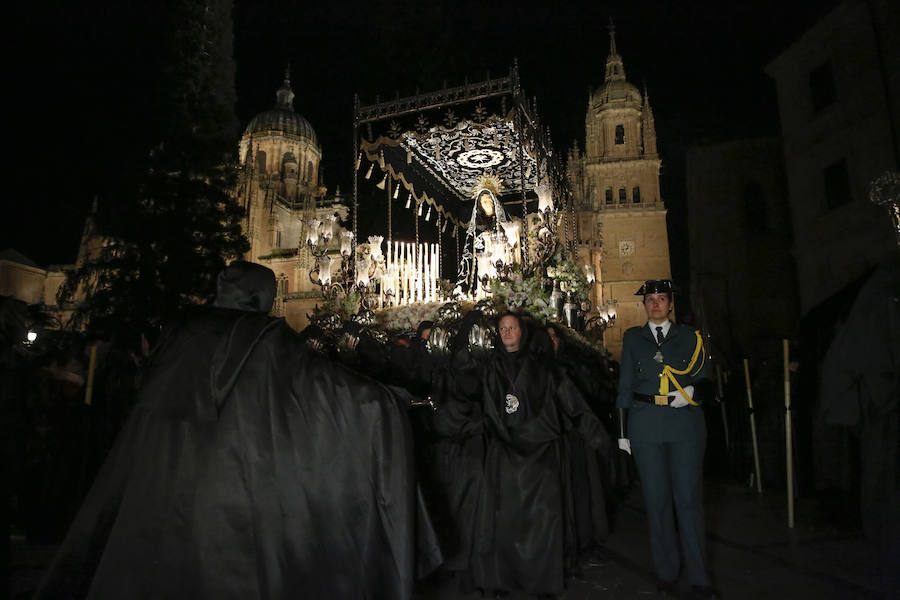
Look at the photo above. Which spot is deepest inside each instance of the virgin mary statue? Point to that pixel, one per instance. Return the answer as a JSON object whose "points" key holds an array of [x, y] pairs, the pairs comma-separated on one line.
{"points": [[484, 232]]}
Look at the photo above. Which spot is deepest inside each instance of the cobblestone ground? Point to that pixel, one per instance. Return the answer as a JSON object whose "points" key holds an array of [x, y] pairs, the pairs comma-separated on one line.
{"points": [[752, 555]]}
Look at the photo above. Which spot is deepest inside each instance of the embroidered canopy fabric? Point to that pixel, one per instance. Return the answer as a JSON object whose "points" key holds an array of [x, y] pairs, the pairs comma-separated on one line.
{"points": [[441, 165]]}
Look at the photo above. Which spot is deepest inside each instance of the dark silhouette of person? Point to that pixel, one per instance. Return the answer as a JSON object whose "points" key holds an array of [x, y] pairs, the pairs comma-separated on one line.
{"points": [[250, 467]]}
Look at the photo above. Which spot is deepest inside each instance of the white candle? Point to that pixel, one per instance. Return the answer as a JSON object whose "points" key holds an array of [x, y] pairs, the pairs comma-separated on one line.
{"points": [[428, 289]]}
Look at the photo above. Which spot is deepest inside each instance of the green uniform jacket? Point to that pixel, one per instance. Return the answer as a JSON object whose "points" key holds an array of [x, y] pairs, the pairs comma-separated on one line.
{"points": [[640, 373]]}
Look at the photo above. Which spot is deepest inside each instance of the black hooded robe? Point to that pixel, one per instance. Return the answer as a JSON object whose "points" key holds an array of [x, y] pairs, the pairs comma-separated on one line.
{"points": [[249, 468], [520, 536]]}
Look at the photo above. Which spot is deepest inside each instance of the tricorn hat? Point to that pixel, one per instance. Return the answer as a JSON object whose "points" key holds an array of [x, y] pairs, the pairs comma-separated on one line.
{"points": [[656, 286]]}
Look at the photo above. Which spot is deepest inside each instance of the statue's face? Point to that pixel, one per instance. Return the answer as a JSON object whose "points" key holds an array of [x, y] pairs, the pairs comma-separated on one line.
{"points": [[487, 203]]}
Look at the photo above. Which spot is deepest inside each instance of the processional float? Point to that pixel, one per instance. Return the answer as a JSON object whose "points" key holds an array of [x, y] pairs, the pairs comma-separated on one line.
{"points": [[474, 172]]}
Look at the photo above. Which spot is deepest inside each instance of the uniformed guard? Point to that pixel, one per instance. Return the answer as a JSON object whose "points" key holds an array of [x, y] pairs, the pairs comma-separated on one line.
{"points": [[666, 432]]}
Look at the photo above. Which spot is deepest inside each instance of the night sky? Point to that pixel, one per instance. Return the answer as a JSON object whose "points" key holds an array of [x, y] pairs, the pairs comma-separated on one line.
{"points": [[74, 77]]}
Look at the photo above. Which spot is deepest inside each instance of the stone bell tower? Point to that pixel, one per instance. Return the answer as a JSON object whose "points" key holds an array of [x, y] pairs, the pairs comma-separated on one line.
{"points": [[621, 216]]}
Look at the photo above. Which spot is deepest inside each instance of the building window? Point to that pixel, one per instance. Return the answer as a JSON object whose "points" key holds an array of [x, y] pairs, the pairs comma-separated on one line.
{"points": [[620, 134], [309, 171], [260, 161], [821, 87], [837, 184], [636, 195], [609, 199], [278, 238], [622, 196], [756, 219]]}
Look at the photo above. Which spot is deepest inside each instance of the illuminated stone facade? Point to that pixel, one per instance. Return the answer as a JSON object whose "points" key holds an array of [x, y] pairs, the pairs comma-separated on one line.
{"points": [[281, 188], [22, 279], [621, 219]]}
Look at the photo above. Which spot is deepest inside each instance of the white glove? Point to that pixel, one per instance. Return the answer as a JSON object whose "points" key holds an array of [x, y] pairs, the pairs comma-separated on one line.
{"points": [[679, 400], [625, 444]]}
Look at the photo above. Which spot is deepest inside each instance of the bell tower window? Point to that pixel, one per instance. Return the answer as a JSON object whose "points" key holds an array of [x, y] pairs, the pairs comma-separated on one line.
{"points": [[620, 134]]}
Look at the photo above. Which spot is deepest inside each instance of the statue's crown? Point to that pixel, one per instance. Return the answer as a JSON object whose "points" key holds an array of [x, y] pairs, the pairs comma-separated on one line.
{"points": [[487, 181]]}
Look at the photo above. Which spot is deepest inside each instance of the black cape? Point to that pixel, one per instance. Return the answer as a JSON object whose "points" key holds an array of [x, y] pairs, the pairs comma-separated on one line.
{"points": [[520, 537], [250, 468]]}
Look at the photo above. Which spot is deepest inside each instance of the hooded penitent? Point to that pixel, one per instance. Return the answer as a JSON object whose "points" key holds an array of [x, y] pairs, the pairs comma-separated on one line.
{"points": [[249, 468], [519, 541]]}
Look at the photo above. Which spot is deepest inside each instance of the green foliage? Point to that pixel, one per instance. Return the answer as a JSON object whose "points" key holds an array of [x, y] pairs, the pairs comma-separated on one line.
{"points": [[171, 223]]}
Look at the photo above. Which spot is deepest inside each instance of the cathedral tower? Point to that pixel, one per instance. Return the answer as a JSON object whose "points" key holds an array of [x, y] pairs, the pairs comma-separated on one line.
{"points": [[621, 216]]}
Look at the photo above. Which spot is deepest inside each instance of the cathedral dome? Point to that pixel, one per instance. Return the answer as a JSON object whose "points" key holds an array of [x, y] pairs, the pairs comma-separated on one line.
{"points": [[617, 90], [282, 118], [285, 121]]}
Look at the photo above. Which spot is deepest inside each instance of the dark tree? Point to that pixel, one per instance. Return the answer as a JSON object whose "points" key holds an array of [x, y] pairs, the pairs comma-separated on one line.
{"points": [[166, 221]]}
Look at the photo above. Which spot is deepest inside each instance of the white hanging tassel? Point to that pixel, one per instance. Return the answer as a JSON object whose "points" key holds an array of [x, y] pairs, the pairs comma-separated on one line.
{"points": [[408, 198], [444, 226], [428, 214], [419, 212], [369, 172], [358, 160], [396, 191], [454, 232], [380, 186]]}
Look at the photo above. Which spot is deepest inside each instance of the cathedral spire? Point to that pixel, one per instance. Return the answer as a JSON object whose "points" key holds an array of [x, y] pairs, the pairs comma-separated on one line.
{"points": [[285, 95], [615, 69], [612, 37]]}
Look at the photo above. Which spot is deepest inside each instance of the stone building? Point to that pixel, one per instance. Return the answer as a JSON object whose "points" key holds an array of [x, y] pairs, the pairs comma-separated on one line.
{"points": [[839, 102], [282, 190], [24, 280], [621, 218], [743, 286]]}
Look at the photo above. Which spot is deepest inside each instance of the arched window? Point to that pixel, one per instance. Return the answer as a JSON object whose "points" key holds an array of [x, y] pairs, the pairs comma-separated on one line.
{"points": [[622, 196], [609, 198], [620, 134], [636, 194], [260, 161]]}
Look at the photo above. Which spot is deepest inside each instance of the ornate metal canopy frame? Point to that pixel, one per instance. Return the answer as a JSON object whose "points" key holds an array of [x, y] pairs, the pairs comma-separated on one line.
{"points": [[437, 164]]}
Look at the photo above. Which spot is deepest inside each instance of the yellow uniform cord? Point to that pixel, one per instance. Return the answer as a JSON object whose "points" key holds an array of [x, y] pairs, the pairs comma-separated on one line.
{"points": [[668, 373]]}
